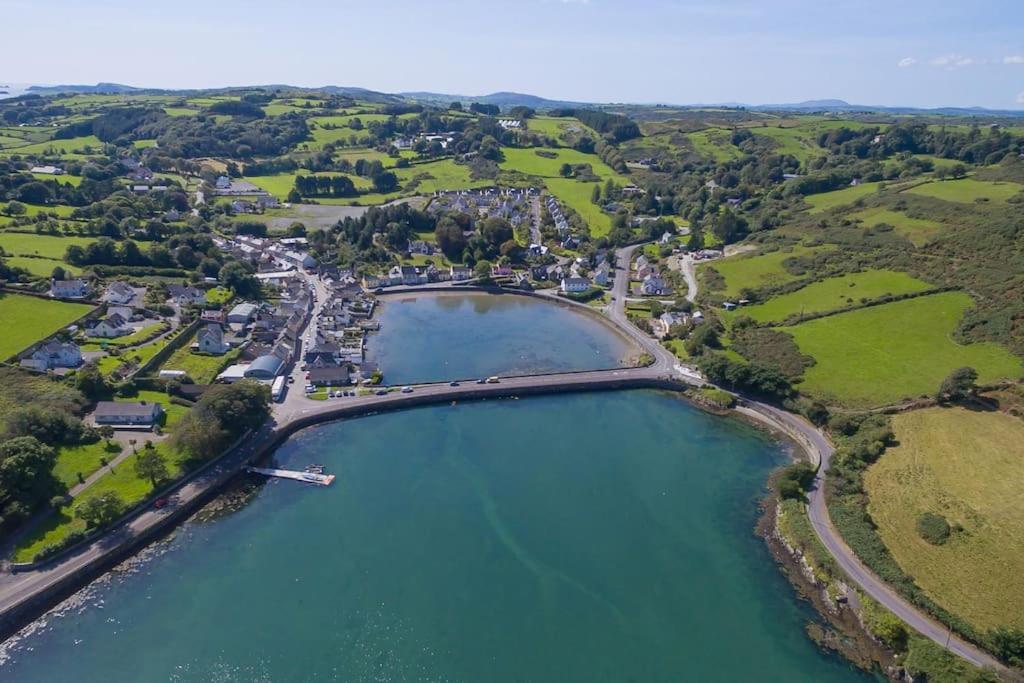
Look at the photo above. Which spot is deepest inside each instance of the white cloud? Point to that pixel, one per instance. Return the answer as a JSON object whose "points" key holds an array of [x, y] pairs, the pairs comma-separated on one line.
{"points": [[953, 61], [1013, 59], [1020, 98], [905, 62]]}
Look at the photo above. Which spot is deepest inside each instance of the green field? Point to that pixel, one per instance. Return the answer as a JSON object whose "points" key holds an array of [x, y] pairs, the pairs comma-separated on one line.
{"points": [[202, 368], [529, 162], [577, 195], [73, 180], [558, 127], [917, 230], [714, 143], [883, 354], [967, 190], [834, 293], [281, 184], [40, 267], [60, 210], [830, 200], [71, 146], [753, 271], [28, 319], [31, 244], [967, 466]]}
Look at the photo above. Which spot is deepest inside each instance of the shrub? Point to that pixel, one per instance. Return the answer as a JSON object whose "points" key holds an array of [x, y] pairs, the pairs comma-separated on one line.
{"points": [[933, 528]]}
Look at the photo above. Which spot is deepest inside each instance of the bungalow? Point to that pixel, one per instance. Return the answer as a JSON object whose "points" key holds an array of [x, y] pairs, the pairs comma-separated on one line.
{"points": [[329, 376], [601, 275], [109, 327], [211, 340], [127, 414], [575, 285], [119, 293], [53, 354], [48, 170], [69, 289], [186, 296], [653, 285], [461, 273]]}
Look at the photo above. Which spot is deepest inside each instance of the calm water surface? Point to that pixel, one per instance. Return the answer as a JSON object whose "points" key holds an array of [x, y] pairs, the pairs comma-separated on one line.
{"points": [[596, 537], [430, 337]]}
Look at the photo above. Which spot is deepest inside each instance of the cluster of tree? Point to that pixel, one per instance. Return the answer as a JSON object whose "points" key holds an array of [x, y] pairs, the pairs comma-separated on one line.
{"points": [[324, 186], [30, 109], [222, 414], [190, 137], [24, 187], [615, 127], [973, 147], [188, 251], [27, 483], [243, 108], [112, 124], [753, 378]]}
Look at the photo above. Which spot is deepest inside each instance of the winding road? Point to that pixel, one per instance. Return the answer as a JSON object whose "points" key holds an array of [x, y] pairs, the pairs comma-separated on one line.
{"points": [[25, 594]]}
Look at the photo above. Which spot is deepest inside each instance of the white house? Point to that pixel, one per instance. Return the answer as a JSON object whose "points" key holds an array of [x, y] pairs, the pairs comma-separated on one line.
{"points": [[461, 273], [69, 289], [133, 414], [109, 327], [119, 293], [186, 296], [48, 170], [575, 284], [211, 340], [410, 276], [53, 354]]}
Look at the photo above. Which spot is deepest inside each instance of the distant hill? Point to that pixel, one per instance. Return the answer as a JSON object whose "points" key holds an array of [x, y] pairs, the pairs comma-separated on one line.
{"points": [[501, 99], [98, 89]]}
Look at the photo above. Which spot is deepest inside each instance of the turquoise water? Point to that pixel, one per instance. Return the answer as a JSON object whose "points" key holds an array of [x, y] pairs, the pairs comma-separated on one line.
{"points": [[431, 337], [589, 537]]}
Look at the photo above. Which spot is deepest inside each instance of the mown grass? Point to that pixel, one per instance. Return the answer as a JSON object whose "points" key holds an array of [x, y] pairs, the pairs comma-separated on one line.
{"points": [[967, 190], [28, 319], [750, 271], [202, 368], [129, 339], [917, 230], [31, 244], [830, 200], [961, 464], [882, 354], [40, 267], [84, 459], [834, 293]]}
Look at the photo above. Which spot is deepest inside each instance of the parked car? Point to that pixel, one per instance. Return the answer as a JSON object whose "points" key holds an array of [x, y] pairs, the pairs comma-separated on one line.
{"points": [[481, 381], [406, 390], [310, 389], [381, 392], [453, 384]]}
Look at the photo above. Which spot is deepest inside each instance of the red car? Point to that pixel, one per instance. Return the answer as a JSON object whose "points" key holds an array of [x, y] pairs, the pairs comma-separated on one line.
{"points": [[160, 503]]}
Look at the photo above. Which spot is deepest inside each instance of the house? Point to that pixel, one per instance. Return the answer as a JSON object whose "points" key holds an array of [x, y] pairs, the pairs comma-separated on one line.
{"points": [[734, 201], [729, 306], [372, 282], [653, 285], [395, 275], [127, 414], [53, 354], [211, 340], [47, 170], [323, 352], [539, 272], [666, 237], [575, 285], [461, 273], [109, 327], [69, 289], [410, 276], [242, 314], [186, 296], [267, 202], [501, 270], [329, 376], [669, 319], [223, 183], [601, 275], [646, 270], [641, 261], [119, 293], [420, 247]]}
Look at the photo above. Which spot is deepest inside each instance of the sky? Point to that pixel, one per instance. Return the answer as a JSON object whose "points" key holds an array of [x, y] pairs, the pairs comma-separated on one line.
{"points": [[897, 52]]}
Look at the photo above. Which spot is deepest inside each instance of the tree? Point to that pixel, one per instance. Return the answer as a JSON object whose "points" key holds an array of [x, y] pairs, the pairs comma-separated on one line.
{"points": [[1008, 644], [16, 209], [450, 238], [958, 385], [385, 182], [595, 196], [482, 270], [100, 510], [237, 278], [26, 477], [151, 464], [565, 171], [34, 193], [58, 273], [89, 380]]}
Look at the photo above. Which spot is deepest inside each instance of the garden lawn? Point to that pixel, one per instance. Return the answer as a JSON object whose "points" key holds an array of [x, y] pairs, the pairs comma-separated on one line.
{"points": [[830, 200], [748, 271], [84, 459], [31, 244], [967, 466], [917, 230], [129, 339], [880, 355], [122, 481], [40, 267], [202, 368], [834, 293], [28, 319], [967, 190]]}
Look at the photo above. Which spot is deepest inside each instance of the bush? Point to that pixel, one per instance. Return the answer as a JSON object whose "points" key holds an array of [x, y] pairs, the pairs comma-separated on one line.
{"points": [[52, 549], [933, 528], [795, 480]]}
